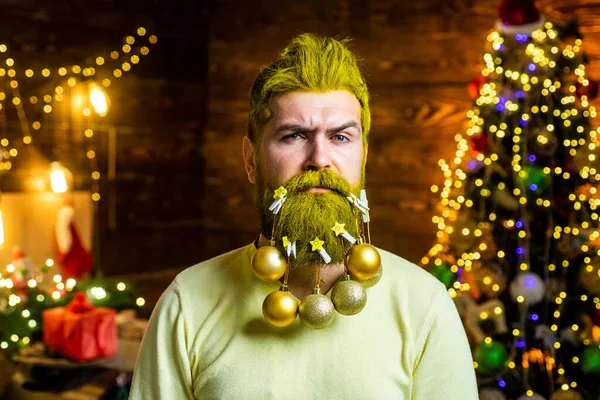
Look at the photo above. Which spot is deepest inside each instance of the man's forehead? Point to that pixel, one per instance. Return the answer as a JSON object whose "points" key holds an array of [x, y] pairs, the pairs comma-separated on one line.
{"points": [[307, 107]]}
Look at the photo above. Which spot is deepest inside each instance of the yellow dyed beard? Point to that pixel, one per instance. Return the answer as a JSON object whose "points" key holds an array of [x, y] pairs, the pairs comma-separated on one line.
{"points": [[305, 216]]}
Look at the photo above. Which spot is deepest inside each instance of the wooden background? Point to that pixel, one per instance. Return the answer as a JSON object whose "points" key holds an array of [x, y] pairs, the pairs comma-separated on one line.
{"points": [[180, 194], [419, 56]]}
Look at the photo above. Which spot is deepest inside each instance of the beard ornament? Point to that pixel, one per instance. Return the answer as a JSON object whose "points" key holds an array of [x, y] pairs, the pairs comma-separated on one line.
{"points": [[308, 230]]}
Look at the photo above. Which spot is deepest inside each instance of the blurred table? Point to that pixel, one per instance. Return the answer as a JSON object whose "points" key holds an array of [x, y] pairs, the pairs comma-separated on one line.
{"points": [[46, 378]]}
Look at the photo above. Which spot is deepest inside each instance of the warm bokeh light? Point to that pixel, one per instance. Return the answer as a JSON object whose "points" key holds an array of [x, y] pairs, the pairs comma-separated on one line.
{"points": [[58, 178], [99, 99], [1, 230]]}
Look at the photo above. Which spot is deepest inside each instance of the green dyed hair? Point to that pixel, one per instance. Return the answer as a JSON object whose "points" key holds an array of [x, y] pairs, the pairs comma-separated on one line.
{"points": [[309, 63]]}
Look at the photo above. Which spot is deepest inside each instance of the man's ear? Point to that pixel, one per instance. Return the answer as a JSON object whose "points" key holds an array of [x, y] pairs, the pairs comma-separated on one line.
{"points": [[249, 159]]}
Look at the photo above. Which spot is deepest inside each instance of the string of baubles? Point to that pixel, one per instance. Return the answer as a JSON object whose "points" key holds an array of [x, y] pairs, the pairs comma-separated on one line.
{"points": [[348, 296]]}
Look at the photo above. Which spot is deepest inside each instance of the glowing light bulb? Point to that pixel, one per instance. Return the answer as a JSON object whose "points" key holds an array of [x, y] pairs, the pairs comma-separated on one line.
{"points": [[99, 99], [98, 292], [58, 178]]}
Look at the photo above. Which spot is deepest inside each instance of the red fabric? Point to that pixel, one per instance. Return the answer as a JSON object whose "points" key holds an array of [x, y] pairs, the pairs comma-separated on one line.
{"points": [[479, 144], [518, 12], [18, 254], [475, 85], [591, 90], [81, 335], [77, 262]]}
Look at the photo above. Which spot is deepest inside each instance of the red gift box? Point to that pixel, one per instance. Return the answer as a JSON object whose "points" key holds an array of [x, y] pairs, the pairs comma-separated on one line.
{"points": [[81, 331]]}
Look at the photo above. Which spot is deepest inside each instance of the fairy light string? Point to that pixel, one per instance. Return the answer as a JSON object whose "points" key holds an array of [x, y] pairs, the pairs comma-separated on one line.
{"points": [[103, 69]]}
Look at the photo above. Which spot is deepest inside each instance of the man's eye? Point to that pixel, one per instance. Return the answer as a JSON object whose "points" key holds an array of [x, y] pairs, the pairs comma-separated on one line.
{"points": [[340, 138], [293, 136]]}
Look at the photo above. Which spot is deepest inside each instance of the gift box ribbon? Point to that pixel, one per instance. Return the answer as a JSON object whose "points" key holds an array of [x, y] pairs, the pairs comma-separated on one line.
{"points": [[80, 303]]}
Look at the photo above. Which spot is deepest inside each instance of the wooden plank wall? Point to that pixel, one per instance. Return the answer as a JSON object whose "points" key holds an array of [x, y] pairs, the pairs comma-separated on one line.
{"points": [[419, 56]]}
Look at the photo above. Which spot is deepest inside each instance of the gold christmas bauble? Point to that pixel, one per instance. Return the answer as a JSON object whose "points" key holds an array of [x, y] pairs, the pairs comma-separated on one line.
{"points": [[348, 297], [268, 264], [487, 246], [489, 279], [586, 158], [566, 395], [280, 308], [363, 261], [374, 280], [542, 142], [316, 311], [589, 276], [462, 237]]}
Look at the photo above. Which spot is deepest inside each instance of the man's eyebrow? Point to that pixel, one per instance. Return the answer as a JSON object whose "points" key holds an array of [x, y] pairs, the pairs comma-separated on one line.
{"points": [[350, 124], [301, 128], [293, 128]]}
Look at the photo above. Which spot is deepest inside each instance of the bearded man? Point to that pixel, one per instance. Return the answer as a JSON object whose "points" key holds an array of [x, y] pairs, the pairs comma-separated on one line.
{"points": [[305, 151]]}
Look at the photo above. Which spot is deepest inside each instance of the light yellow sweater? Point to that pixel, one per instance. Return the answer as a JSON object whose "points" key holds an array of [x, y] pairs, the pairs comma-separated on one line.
{"points": [[207, 339]]}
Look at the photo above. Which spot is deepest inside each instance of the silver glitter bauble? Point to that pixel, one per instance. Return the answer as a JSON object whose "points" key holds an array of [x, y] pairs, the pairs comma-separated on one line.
{"points": [[348, 297], [316, 311]]}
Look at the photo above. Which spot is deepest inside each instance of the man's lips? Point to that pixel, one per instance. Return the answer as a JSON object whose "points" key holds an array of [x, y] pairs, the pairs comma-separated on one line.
{"points": [[318, 190]]}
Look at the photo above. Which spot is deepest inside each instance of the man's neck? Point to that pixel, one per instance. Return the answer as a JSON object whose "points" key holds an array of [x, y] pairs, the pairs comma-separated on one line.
{"points": [[301, 282]]}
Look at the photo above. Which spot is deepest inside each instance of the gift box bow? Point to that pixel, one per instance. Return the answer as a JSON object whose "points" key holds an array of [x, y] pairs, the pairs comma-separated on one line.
{"points": [[80, 304]]}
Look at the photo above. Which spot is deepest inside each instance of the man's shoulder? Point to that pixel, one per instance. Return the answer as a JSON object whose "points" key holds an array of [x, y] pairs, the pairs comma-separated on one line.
{"points": [[206, 272], [402, 269], [409, 280], [413, 292]]}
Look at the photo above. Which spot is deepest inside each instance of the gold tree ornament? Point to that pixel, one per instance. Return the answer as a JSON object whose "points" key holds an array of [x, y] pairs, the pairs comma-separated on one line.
{"points": [[543, 142], [589, 276], [462, 237], [316, 310], [268, 264], [363, 261], [568, 394], [486, 246], [489, 279], [280, 308], [348, 297], [374, 280]]}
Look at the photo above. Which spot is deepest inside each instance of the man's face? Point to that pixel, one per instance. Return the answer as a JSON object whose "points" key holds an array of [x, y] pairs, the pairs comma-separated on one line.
{"points": [[312, 139], [312, 131]]}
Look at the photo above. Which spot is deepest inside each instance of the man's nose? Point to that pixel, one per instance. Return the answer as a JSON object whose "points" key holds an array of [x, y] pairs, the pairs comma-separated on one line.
{"points": [[318, 158]]}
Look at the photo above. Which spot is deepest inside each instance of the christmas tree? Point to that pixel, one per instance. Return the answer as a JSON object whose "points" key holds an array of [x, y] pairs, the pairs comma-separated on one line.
{"points": [[518, 241]]}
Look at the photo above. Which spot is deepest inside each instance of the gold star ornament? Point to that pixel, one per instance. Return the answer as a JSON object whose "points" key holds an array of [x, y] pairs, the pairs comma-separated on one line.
{"points": [[339, 229], [280, 193], [317, 244]]}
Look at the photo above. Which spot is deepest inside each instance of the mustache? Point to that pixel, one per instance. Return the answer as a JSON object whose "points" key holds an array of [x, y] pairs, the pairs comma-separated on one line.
{"points": [[318, 179]]}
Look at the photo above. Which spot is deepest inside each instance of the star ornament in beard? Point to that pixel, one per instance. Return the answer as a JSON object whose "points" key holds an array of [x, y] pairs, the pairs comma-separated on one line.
{"points": [[307, 215]]}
